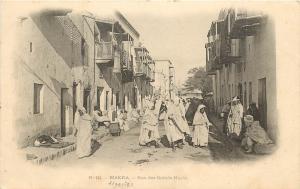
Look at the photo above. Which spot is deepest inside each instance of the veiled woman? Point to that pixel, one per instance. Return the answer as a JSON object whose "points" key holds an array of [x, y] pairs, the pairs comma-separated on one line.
{"points": [[174, 133], [149, 130], [201, 127], [83, 126], [234, 121]]}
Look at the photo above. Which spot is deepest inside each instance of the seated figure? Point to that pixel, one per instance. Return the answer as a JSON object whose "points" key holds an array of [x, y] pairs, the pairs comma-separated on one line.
{"points": [[254, 135]]}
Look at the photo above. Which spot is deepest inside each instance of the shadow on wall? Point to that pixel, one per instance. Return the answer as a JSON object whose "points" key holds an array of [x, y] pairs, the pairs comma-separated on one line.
{"points": [[113, 80], [59, 31], [58, 86]]}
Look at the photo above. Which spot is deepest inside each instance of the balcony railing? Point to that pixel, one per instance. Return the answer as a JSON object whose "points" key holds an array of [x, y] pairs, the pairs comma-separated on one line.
{"points": [[139, 68], [104, 50], [127, 63]]}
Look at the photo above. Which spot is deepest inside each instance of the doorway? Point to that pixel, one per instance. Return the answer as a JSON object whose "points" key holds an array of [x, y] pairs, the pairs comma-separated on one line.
{"points": [[86, 100], [74, 90], [99, 92], [262, 102], [64, 111]]}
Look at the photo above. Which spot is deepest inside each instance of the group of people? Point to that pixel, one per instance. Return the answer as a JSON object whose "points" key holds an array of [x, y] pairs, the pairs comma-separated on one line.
{"points": [[244, 126], [172, 114]]}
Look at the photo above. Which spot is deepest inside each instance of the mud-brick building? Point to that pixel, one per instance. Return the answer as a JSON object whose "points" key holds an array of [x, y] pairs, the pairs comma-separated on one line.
{"points": [[53, 69], [165, 78], [240, 59], [65, 59], [144, 75]]}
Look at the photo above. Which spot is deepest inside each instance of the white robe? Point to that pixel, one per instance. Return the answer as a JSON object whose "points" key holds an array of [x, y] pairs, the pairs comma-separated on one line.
{"points": [[201, 125], [234, 121], [173, 132], [149, 125], [84, 135]]}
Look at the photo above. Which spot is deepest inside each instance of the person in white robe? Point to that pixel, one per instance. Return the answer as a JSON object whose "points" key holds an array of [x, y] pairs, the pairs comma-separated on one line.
{"points": [[149, 134], [234, 120], [173, 132], [122, 119], [183, 122], [83, 133], [201, 127]]}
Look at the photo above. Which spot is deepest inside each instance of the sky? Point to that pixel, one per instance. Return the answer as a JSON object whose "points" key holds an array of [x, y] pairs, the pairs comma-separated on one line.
{"points": [[178, 33]]}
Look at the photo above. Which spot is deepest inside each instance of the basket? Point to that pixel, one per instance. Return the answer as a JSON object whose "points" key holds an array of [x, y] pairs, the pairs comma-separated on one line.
{"points": [[114, 129]]}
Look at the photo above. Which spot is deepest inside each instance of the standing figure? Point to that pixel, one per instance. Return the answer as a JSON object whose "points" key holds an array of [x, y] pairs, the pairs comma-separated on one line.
{"points": [[83, 132], [201, 127], [149, 130], [181, 117], [234, 121], [174, 133], [224, 115], [122, 119]]}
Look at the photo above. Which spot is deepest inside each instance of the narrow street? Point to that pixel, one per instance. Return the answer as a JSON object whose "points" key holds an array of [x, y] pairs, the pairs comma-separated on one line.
{"points": [[125, 150]]}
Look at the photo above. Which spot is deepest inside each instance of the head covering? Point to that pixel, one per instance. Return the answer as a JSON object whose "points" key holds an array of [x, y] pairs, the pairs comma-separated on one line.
{"points": [[248, 118], [201, 106], [81, 108], [235, 99]]}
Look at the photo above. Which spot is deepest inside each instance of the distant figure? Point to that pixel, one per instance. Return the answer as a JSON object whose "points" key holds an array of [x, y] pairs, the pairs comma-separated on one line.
{"points": [[195, 102], [187, 104], [201, 127], [122, 118], [224, 115], [100, 118], [234, 121], [83, 132]]}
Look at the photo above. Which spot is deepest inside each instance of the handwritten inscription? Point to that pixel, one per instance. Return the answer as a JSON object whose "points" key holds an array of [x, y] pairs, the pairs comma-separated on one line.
{"points": [[127, 182]]}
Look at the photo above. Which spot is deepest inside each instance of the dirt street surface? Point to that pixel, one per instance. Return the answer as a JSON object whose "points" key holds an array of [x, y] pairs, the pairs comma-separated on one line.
{"points": [[125, 149]]}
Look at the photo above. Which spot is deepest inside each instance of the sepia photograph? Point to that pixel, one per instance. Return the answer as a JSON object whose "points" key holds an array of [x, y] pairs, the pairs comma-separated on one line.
{"points": [[135, 87]]}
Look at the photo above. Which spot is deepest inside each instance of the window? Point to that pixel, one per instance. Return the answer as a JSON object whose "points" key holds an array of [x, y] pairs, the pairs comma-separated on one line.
{"points": [[84, 52], [38, 99], [30, 46]]}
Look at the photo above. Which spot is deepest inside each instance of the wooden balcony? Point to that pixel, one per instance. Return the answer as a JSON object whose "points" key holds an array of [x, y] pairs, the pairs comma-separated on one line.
{"points": [[139, 69], [127, 67], [246, 26], [104, 52], [223, 51]]}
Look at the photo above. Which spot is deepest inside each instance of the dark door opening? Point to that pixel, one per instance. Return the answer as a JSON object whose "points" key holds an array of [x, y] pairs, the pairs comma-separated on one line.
{"points": [[106, 100], [262, 102], [74, 100], [86, 100], [63, 102]]}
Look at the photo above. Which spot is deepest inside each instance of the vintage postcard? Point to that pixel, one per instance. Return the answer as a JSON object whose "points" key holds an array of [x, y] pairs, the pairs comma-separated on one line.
{"points": [[142, 94]]}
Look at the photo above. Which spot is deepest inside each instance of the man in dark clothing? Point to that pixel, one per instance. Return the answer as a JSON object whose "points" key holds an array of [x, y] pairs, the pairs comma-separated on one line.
{"points": [[190, 113], [224, 115], [253, 110]]}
